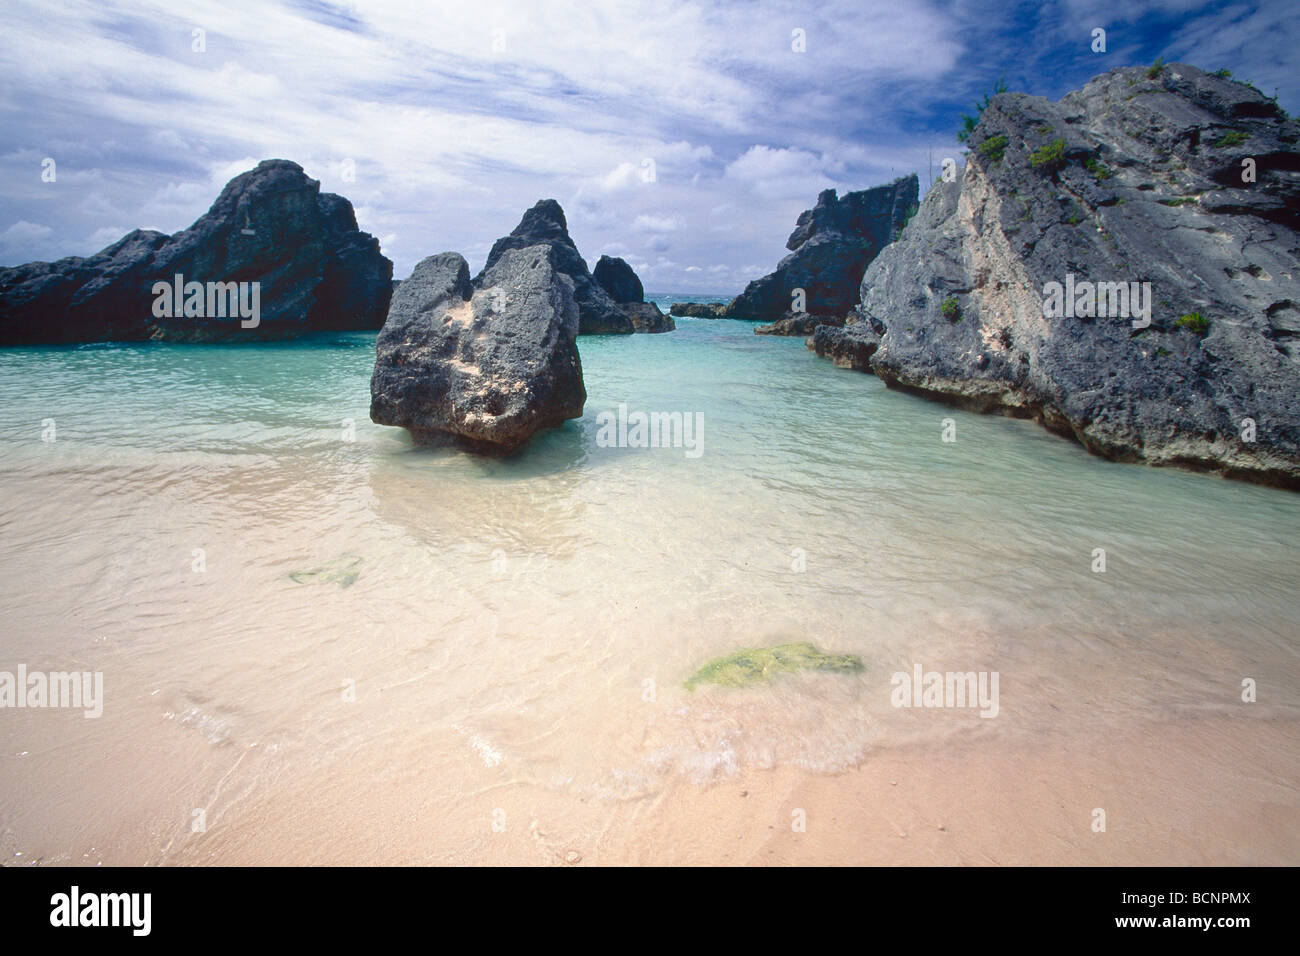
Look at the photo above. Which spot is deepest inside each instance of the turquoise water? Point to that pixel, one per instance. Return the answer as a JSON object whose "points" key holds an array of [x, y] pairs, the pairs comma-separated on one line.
{"points": [[522, 608]]}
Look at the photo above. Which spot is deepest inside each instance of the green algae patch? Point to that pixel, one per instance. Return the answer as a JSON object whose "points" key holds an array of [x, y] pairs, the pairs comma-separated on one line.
{"points": [[341, 571], [761, 665]]}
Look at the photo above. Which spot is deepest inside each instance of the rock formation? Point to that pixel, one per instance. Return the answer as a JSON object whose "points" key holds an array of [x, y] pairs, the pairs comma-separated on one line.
{"points": [[315, 271], [1020, 288], [829, 249], [699, 310], [618, 278], [484, 364], [623, 285], [544, 223], [798, 323]]}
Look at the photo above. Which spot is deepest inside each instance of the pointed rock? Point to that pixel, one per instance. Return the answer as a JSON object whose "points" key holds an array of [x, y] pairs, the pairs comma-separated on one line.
{"points": [[545, 224]]}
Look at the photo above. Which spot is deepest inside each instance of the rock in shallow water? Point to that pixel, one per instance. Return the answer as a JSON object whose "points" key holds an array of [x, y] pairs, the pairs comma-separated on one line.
{"points": [[485, 364], [798, 323]]}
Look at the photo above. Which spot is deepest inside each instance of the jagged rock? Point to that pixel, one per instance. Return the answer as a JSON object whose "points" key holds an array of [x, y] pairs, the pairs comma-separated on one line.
{"points": [[798, 323], [272, 225], [1131, 179], [699, 310], [544, 223], [831, 245], [484, 364], [618, 278]]}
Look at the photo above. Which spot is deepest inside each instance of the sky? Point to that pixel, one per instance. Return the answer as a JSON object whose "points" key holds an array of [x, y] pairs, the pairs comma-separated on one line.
{"points": [[685, 137]]}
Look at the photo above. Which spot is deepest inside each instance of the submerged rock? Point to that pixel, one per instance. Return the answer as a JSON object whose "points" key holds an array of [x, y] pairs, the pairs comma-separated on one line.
{"points": [[342, 571], [829, 249], [623, 285], [484, 364], [1135, 179], [761, 665], [544, 224], [315, 271]]}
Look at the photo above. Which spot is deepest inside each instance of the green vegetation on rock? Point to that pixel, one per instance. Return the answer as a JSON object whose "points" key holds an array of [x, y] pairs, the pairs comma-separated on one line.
{"points": [[1154, 69], [1099, 170], [1195, 322], [341, 571], [993, 148], [1231, 138], [760, 665], [1049, 157], [950, 309]]}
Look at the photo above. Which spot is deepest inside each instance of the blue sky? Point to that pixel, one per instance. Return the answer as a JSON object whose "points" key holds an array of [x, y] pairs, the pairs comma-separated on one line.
{"points": [[458, 116]]}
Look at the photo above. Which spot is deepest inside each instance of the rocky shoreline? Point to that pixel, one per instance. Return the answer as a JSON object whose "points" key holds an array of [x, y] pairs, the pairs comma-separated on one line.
{"points": [[1122, 266], [1133, 193]]}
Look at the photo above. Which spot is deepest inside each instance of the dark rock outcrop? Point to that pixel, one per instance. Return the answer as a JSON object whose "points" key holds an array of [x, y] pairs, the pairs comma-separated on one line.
{"points": [[647, 317], [619, 279], [483, 364], [798, 323], [699, 310], [272, 226], [1133, 179], [830, 248], [623, 285], [545, 224]]}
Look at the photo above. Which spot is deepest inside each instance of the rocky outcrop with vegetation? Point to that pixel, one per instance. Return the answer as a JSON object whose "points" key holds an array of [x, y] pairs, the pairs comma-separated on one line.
{"points": [[1121, 265]]}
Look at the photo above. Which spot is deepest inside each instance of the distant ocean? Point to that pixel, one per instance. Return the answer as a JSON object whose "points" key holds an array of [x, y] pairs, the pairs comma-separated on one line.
{"points": [[224, 534]]}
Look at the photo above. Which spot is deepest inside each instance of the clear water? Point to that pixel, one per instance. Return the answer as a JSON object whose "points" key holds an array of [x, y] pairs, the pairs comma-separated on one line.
{"points": [[537, 616]]}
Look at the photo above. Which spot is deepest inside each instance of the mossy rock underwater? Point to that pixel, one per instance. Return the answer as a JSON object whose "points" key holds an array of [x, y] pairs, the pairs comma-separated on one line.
{"points": [[341, 571], [760, 665]]}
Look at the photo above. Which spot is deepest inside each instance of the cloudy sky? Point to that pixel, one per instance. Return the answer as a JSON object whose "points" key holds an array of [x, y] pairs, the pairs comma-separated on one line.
{"points": [[684, 136]]}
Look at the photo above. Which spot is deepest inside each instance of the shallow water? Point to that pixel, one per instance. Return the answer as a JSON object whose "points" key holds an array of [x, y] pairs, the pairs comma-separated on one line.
{"points": [[539, 615]]}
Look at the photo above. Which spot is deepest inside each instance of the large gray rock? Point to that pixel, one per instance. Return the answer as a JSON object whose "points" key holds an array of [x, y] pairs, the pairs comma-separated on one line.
{"points": [[1137, 179], [544, 224], [830, 248], [483, 364], [272, 225]]}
